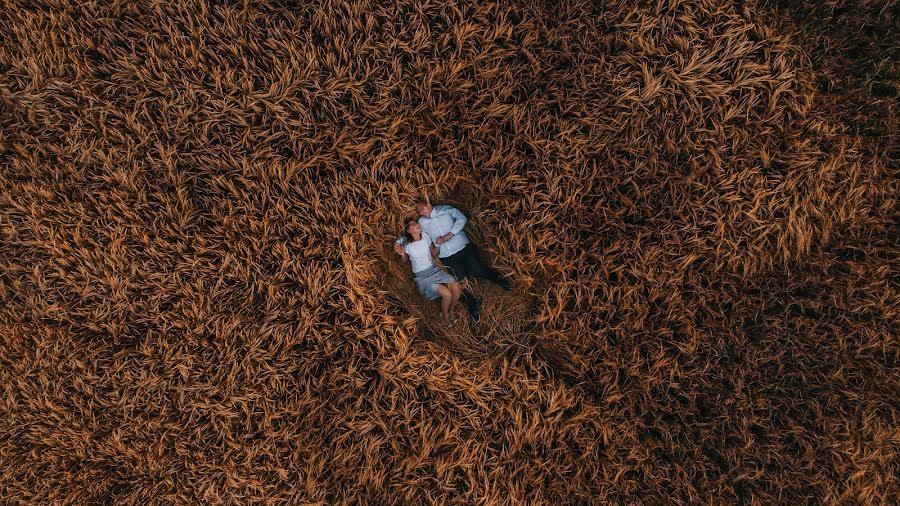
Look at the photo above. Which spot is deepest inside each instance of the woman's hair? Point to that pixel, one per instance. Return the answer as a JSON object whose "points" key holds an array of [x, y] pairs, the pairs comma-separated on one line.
{"points": [[406, 222]]}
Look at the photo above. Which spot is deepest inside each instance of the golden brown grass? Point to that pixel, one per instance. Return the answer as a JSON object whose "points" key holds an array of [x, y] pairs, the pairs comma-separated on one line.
{"points": [[200, 304]]}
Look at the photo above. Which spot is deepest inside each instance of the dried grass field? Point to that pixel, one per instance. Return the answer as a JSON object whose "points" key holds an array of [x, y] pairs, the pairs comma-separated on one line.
{"points": [[695, 200]]}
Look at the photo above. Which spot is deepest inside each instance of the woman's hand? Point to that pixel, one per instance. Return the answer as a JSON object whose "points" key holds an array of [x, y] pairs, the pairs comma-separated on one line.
{"points": [[444, 238], [398, 248]]}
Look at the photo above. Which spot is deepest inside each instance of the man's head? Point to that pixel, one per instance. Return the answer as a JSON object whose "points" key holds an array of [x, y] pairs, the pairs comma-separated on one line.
{"points": [[424, 208]]}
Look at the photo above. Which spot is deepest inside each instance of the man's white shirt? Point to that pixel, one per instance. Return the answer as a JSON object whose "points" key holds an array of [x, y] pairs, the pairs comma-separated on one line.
{"points": [[446, 219]]}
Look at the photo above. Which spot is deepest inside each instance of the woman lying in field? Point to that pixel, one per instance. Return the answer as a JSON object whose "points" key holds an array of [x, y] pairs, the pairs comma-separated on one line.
{"points": [[433, 282]]}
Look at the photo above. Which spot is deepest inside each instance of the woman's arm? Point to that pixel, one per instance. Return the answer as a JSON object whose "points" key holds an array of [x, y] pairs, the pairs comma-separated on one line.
{"points": [[398, 248], [434, 250]]}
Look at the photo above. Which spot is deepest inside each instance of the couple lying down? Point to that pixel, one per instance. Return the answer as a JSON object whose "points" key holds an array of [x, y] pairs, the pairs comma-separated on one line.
{"points": [[439, 231]]}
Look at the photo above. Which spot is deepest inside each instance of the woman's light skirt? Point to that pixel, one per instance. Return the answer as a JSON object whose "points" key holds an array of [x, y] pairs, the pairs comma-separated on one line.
{"points": [[428, 280]]}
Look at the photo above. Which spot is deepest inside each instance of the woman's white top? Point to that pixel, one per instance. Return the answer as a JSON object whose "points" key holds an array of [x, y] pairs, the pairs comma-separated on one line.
{"points": [[419, 252]]}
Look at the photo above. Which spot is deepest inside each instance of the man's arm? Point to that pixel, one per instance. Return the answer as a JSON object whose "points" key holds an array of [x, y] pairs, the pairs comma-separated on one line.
{"points": [[459, 223], [459, 220]]}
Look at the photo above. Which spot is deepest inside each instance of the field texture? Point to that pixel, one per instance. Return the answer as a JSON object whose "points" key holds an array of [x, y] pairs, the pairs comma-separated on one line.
{"points": [[695, 200]]}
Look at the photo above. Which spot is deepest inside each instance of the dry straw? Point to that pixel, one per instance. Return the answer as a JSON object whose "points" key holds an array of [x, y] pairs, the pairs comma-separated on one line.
{"points": [[200, 304]]}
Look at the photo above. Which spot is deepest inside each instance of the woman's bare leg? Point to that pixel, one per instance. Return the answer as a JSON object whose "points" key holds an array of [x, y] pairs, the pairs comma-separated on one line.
{"points": [[446, 299], [456, 291]]}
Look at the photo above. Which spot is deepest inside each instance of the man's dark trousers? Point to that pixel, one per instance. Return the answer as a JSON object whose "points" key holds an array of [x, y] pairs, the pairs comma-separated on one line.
{"points": [[465, 263]]}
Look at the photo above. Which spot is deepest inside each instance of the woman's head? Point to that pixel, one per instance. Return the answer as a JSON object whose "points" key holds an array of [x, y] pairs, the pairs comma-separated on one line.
{"points": [[412, 229]]}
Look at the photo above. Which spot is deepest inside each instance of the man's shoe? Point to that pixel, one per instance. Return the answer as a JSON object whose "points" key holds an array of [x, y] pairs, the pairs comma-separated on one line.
{"points": [[504, 284], [475, 315]]}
